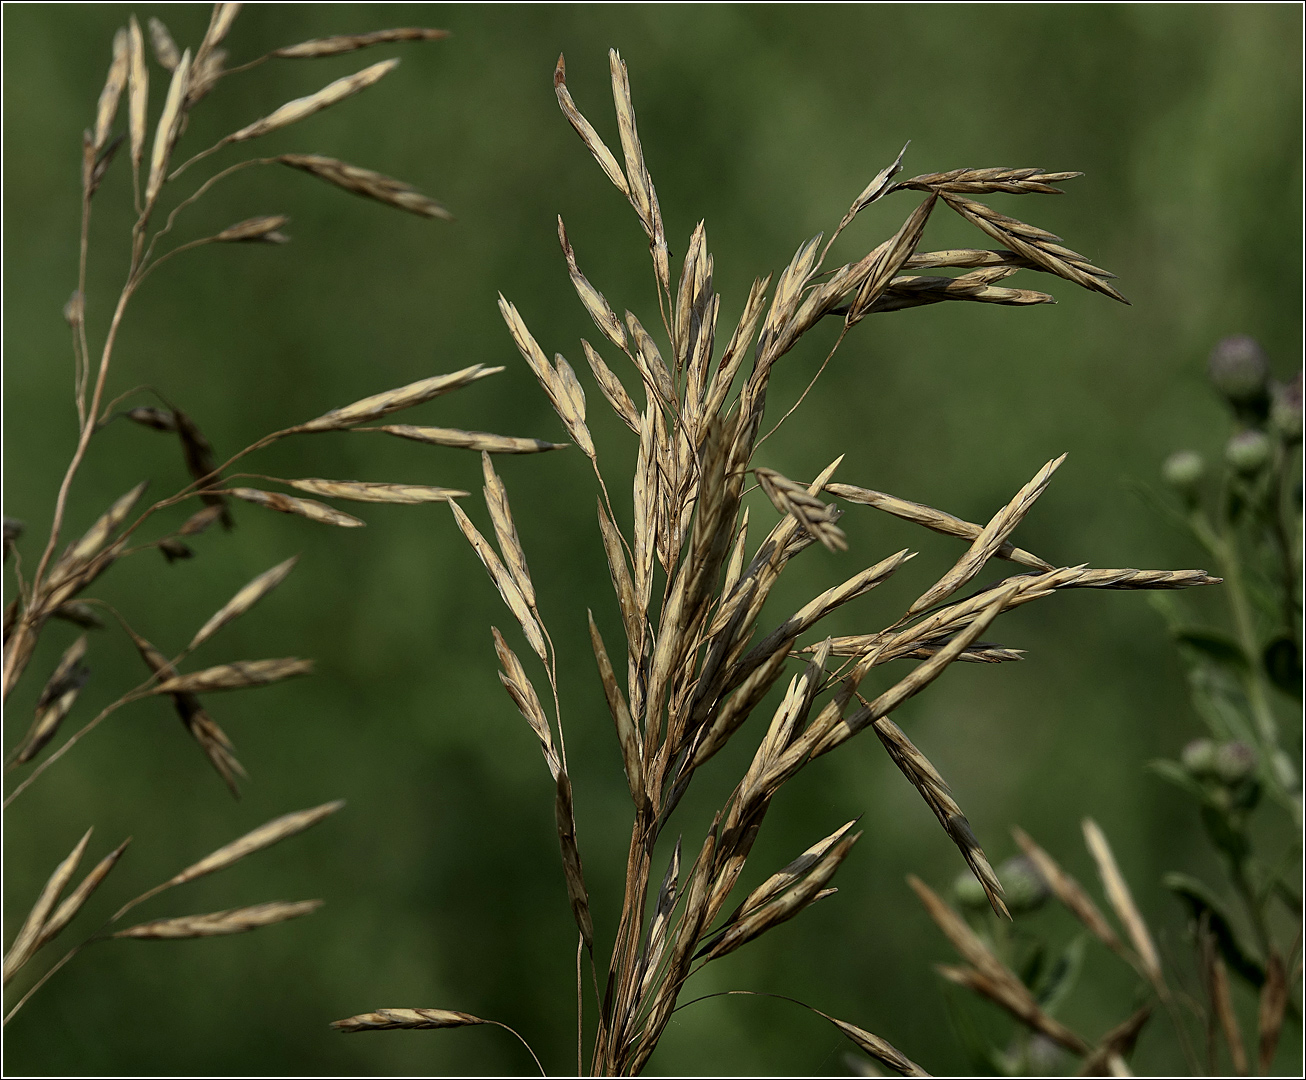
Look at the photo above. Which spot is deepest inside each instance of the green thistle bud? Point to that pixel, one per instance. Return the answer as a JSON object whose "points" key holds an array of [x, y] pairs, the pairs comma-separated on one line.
{"points": [[1024, 887], [1239, 370], [1183, 470], [1198, 757], [1235, 762], [1248, 451], [1285, 409], [968, 892]]}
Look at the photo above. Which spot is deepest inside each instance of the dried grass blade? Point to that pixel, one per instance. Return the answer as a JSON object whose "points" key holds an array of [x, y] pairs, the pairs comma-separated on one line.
{"points": [[878, 1048], [1115, 1044], [586, 131], [523, 694], [367, 491], [737, 348], [305, 508], [1141, 579], [787, 875], [245, 599], [264, 229], [165, 48], [651, 365], [203, 729], [219, 923], [346, 43], [76, 900], [235, 676], [1036, 245], [889, 261], [514, 555], [788, 904], [1122, 901], [1008, 993], [367, 183], [569, 404], [503, 582], [264, 836], [657, 931], [56, 700], [165, 135], [984, 546], [468, 440], [390, 1019], [599, 309], [1072, 896], [1223, 1005], [937, 520], [294, 111], [921, 677], [612, 388], [200, 461], [405, 397], [138, 93], [626, 733], [642, 195], [220, 20], [877, 188], [114, 84], [28, 939], [1273, 1004], [816, 518], [571, 867], [79, 554]]}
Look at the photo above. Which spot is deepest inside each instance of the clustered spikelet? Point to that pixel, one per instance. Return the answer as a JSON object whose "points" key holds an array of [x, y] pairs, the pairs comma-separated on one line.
{"points": [[693, 674], [55, 586]]}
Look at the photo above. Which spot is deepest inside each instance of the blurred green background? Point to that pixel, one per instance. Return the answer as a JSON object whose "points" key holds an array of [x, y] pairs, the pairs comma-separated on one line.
{"points": [[441, 877]]}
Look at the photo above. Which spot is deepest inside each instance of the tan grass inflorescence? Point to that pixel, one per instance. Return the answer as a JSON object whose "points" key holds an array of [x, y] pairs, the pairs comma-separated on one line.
{"points": [[693, 674]]}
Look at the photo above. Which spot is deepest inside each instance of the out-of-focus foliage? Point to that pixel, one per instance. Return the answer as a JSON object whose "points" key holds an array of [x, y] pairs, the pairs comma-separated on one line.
{"points": [[440, 877]]}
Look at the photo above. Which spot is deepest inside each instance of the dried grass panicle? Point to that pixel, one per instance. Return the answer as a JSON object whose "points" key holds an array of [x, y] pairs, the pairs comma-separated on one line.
{"points": [[693, 681], [54, 586]]}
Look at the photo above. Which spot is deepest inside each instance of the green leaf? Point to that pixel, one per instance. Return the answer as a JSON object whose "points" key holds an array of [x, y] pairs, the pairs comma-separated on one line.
{"points": [[1213, 645], [1062, 976], [1174, 773], [1282, 660], [1199, 900]]}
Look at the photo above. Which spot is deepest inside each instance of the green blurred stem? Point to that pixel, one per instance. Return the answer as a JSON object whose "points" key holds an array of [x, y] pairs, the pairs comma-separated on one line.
{"points": [[1224, 550]]}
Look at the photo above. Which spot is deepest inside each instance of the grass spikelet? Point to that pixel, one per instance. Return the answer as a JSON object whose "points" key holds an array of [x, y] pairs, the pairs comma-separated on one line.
{"points": [[305, 508], [245, 599], [367, 183], [237, 676], [29, 935], [294, 111], [220, 923]]}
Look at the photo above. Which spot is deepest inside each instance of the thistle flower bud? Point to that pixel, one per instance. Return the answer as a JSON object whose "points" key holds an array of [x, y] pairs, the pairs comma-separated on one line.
{"points": [[1234, 762], [1024, 887], [968, 892], [1239, 369], [1248, 451], [1183, 470], [1198, 757], [1285, 409]]}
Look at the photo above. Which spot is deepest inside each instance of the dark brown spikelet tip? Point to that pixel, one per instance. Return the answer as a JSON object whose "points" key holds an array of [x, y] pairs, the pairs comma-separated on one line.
{"points": [[150, 417], [200, 461]]}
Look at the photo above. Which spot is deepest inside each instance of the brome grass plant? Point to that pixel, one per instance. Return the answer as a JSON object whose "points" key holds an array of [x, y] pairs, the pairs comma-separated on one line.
{"points": [[53, 584], [690, 580]]}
